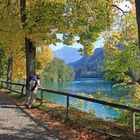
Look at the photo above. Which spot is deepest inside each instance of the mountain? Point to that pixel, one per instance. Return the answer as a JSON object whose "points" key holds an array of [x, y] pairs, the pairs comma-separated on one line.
{"points": [[89, 66], [68, 54]]}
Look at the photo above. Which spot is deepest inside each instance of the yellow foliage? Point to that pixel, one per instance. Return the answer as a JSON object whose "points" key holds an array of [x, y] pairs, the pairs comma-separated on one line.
{"points": [[137, 91], [11, 33], [44, 56], [19, 66]]}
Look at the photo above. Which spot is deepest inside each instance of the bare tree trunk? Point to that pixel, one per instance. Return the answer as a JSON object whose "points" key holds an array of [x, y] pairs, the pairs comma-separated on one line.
{"points": [[30, 49], [30, 60], [9, 72], [0, 66], [137, 3]]}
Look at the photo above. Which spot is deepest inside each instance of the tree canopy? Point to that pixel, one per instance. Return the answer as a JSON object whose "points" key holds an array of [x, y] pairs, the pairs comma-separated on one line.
{"points": [[44, 19], [58, 71], [121, 50]]}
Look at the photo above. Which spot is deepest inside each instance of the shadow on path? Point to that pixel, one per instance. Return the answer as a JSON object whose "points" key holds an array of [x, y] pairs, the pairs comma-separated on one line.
{"points": [[17, 124]]}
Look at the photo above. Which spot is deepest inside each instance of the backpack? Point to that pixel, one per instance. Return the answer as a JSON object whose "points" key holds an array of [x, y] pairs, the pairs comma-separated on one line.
{"points": [[33, 83]]}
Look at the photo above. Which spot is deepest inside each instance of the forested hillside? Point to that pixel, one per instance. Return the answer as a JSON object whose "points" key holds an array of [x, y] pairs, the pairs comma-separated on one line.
{"points": [[57, 70], [91, 66]]}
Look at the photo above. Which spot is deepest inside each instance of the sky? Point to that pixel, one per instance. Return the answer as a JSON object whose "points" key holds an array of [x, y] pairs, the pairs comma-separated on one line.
{"points": [[98, 43]]}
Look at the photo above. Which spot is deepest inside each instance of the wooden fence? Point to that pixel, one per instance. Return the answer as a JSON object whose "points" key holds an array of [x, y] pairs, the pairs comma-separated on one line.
{"points": [[5, 85], [68, 95]]}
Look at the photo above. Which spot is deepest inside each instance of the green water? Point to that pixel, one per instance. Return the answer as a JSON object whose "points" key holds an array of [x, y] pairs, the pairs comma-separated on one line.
{"points": [[88, 86]]}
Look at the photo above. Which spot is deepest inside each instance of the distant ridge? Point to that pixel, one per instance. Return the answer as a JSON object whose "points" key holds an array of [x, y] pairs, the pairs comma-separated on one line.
{"points": [[89, 66], [68, 54]]}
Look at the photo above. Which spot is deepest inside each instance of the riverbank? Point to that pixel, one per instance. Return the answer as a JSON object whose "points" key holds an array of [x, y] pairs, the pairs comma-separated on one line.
{"points": [[78, 126], [137, 91]]}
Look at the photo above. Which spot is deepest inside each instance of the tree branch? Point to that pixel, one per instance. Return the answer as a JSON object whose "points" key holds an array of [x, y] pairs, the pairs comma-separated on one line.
{"points": [[119, 8]]}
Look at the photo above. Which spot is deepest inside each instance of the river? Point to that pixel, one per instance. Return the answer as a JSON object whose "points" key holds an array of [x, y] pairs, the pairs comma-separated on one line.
{"points": [[88, 86]]}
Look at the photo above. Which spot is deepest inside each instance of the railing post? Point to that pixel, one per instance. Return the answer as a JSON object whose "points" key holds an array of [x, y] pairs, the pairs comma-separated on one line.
{"points": [[10, 87], [41, 101], [22, 90], [133, 127], [67, 115], [1, 85]]}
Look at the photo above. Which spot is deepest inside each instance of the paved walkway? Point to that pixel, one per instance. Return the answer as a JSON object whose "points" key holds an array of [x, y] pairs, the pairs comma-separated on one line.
{"points": [[17, 125]]}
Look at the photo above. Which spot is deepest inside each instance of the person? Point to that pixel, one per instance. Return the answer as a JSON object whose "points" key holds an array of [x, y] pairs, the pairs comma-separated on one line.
{"points": [[34, 85]]}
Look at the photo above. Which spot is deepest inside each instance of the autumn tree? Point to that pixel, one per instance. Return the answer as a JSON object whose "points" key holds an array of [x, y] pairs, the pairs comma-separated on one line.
{"points": [[121, 49], [43, 57], [11, 33], [135, 3], [3, 61], [43, 20], [12, 36]]}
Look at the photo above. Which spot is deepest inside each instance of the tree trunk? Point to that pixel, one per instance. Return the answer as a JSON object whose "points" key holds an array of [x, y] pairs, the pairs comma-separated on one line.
{"points": [[30, 60], [30, 49], [0, 67], [137, 3], [9, 72]]}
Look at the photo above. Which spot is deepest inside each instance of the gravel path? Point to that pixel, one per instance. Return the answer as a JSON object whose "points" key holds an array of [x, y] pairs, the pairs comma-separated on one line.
{"points": [[17, 125]]}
